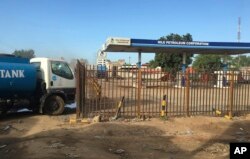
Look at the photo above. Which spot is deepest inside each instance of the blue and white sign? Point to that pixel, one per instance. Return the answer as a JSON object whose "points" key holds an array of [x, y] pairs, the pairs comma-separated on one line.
{"points": [[196, 43], [192, 43], [12, 74], [197, 47], [54, 78]]}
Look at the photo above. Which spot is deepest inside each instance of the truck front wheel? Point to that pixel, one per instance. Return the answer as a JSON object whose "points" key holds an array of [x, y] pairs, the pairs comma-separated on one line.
{"points": [[54, 105]]}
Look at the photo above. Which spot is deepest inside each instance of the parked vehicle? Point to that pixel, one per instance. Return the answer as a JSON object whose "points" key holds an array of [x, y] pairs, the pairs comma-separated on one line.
{"points": [[43, 85]]}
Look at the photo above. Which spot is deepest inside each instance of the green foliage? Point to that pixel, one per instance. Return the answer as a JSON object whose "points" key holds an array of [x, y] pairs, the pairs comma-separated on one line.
{"points": [[24, 53], [215, 62], [171, 61], [207, 62], [153, 64], [241, 61]]}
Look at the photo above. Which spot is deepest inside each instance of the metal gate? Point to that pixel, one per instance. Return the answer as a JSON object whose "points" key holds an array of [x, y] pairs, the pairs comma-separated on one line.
{"points": [[100, 90]]}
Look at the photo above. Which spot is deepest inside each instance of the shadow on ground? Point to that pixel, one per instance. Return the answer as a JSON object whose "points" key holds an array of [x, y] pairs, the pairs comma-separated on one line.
{"points": [[119, 140]]}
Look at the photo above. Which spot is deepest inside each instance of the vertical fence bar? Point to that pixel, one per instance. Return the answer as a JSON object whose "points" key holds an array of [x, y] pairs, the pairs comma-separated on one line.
{"points": [[78, 92], [176, 107], [246, 100], [236, 94], [183, 108], [150, 97], [130, 94], [133, 95], [83, 91], [187, 94], [230, 100], [86, 89], [146, 91], [167, 85], [191, 82], [139, 82], [245, 94], [143, 98]]}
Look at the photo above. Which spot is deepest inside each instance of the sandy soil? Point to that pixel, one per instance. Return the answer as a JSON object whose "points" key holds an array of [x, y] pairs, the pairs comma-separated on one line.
{"points": [[25, 135]]}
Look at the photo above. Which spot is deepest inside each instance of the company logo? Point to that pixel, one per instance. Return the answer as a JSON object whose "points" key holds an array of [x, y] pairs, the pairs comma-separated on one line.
{"points": [[120, 41], [195, 43], [239, 150], [12, 74], [54, 78]]}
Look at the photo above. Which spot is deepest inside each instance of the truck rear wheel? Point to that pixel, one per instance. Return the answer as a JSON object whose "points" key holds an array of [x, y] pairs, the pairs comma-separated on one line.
{"points": [[3, 110], [54, 105], [3, 113]]}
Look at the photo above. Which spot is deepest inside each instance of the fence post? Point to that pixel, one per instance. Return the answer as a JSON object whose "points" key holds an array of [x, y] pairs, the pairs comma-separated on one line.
{"points": [[83, 90], [139, 83], [78, 91], [231, 95], [187, 88]]}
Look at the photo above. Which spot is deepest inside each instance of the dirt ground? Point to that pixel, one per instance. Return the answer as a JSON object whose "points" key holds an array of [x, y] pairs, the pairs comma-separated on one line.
{"points": [[25, 135]]}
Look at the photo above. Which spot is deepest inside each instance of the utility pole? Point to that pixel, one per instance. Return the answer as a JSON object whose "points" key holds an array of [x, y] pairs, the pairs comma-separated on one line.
{"points": [[239, 23]]}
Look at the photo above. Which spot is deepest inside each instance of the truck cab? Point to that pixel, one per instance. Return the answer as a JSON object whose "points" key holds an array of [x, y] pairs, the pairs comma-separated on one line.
{"points": [[56, 82]]}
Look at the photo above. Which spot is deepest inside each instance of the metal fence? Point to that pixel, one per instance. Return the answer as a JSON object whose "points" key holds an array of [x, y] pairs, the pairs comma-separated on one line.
{"points": [[99, 92]]}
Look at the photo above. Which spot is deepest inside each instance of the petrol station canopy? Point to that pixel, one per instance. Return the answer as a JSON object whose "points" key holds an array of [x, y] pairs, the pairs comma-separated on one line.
{"points": [[115, 44]]}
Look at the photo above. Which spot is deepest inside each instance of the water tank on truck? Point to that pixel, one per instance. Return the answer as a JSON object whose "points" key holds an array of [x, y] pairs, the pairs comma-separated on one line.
{"points": [[17, 77]]}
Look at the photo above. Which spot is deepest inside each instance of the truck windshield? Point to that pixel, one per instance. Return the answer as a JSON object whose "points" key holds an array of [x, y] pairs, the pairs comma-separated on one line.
{"points": [[62, 69]]}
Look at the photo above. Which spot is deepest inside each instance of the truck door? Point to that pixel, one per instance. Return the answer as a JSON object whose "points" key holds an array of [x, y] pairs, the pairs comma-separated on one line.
{"points": [[61, 76]]}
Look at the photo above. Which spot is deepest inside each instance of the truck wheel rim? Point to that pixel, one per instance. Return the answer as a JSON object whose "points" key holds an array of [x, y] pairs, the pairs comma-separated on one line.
{"points": [[54, 106]]}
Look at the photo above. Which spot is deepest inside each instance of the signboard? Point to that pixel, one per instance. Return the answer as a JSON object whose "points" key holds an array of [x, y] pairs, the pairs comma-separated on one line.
{"points": [[196, 43], [114, 44], [227, 45], [119, 41]]}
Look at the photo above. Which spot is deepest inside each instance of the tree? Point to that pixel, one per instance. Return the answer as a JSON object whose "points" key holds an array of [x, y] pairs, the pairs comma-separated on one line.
{"points": [[84, 61], [171, 61], [73, 62], [216, 62], [204, 62], [24, 53], [241, 61]]}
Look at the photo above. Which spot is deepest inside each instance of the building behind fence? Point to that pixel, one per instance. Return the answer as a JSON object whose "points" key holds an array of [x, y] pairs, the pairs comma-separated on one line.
{"points": [[99, 92]]}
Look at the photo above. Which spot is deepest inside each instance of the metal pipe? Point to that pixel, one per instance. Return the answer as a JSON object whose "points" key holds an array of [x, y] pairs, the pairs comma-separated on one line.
{"points": [[77, 91], [187, 94], [139, 60], [231, 94], [139, 81]]}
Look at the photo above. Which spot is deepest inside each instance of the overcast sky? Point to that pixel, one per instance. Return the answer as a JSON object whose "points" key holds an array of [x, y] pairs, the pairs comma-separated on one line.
{"points": [[78, 28]]}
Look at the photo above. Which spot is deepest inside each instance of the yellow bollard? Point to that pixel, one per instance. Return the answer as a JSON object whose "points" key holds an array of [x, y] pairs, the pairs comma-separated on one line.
{"points": [[218, 112], [72, 120], [164, 106], [228, 117]]}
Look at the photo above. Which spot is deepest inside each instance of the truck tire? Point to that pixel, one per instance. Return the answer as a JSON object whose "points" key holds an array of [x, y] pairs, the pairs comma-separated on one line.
{"points": [[2, 113], [3, 110], [54, 105]]}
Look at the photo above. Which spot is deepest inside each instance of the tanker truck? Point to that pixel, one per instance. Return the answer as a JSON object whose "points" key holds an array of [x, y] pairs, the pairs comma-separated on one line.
{"points": [[43, 85]]}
